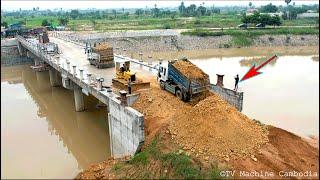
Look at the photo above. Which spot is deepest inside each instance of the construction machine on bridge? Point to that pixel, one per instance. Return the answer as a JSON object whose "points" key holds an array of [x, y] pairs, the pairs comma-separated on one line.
{"points": [[124, 75], [100, 55]]}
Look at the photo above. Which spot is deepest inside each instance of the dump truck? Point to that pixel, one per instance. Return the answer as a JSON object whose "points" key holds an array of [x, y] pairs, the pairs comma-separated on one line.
{"points": [[176, 79], [100, 55]]}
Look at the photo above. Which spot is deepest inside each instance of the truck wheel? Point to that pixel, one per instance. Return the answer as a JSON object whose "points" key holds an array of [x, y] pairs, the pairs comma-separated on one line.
{"points": [[179, 94], [162, 85]]}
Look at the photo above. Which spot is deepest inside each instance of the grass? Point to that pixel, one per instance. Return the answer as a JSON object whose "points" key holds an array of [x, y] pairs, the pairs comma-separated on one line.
{"points": [[134, 22], [245, 37], [253, 32], [241, 41], [181, 164], [140, 158]]}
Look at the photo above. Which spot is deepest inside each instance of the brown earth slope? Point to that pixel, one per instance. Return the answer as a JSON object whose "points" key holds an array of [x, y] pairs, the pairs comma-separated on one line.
{"points": [[285, 152], [209, 132], [213, 128]]}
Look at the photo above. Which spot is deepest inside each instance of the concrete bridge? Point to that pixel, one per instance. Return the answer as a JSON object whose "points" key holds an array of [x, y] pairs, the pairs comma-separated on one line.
{"points": [[71, 70]]}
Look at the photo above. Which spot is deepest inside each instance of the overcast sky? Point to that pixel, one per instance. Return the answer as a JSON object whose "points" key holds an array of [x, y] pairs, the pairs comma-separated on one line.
{"points": [[15, 5]]}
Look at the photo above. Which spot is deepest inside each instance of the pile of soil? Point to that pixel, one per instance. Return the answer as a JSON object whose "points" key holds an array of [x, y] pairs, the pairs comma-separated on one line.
{"points": [[213, 128], [285, 152], [158, 107], [104, 50], [191, 71]]}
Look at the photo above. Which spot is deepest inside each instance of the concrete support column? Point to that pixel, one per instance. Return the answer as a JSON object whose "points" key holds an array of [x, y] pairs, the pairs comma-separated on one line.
{"points": [[19, 48], [59, 78], [78, 98], [53, 74], [36, 61]]}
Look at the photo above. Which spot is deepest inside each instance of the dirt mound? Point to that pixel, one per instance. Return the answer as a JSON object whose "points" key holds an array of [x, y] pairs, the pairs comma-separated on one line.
{"points": [[190, 70], [285, 152], [213, 128], [158, 107]]}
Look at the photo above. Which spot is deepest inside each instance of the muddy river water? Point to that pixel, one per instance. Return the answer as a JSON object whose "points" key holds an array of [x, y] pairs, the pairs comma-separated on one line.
{"points": [[43, 137]]}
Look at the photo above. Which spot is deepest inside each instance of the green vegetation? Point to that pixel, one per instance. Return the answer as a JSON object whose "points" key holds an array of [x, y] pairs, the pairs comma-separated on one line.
{"points": [[184, 17], [242, 41], [262, 18], [245, 37], [177, 162], [253, 32]]}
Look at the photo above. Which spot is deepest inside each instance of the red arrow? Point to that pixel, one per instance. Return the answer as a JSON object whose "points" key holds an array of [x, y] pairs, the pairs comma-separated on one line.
{"points": [[254, 71]]}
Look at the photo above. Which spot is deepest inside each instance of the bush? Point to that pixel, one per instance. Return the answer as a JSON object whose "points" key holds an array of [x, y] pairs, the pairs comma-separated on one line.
{"points": [[167, 26], [197, 21], [45, 22], [271, 38], [241, 41]]}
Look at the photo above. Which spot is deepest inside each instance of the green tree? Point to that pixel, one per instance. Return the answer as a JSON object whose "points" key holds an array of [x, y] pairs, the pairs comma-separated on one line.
{"points": [[201, 10], [114, 12], [275, 21], [63, 21], [74, 14], [45, 22], [182, 9], [191, 10], [139, 12], [269, 8], [4, 24], [155, 11], [250, 4]]}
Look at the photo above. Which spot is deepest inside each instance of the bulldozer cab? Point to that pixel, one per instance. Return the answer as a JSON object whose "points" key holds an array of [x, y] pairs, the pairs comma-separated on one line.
{"points": [[123, 71]]}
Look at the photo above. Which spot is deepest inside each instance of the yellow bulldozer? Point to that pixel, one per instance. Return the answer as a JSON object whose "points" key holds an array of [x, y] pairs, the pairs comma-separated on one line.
{"points": [[124, 75], [123, 71]]}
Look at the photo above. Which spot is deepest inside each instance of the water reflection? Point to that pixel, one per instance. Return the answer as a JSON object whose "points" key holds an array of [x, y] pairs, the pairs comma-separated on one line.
{"points": [[286, 95], [256, 60], [69, 141]]}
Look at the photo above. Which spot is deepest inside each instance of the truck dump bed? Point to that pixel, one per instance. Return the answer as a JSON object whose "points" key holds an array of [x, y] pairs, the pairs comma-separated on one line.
{"points": [[105, 51], [184, 72]]}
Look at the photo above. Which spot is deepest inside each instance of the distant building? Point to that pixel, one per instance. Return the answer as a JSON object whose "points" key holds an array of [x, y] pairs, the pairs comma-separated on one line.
{"points": [[311, 11], [271, 14], [308, 15], [274, 14], [251, 11], [60, 28], [3, 30], [15, 26]]}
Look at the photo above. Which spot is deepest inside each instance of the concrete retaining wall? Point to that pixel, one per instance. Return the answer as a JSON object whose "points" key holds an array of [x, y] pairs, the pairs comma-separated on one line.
{"points": [[232, 97], [126, 129]]}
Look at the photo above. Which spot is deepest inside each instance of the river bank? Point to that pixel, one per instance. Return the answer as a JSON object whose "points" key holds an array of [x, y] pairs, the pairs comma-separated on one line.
{"points": [[134, 42]]}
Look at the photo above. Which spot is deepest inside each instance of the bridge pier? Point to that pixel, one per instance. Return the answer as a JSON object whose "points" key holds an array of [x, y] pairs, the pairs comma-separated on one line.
{"points": [[28, 54], [36, 61], [54, 79], [78, 98]]}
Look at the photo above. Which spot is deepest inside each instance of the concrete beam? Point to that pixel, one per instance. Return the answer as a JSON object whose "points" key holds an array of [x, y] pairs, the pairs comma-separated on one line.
{"points": [[53, 74], [78, 98]]}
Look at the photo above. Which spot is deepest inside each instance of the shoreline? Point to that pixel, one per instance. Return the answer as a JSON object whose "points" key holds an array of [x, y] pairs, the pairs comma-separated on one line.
{"points": [[177, 43]]}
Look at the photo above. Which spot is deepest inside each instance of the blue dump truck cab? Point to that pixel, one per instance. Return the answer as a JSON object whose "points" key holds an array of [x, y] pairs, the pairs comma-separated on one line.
{"points": [[172, 80]]}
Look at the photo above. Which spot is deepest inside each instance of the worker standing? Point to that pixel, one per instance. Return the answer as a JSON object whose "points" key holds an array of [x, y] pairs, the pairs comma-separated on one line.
{"points": [[236, 82], [129, 86]]}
